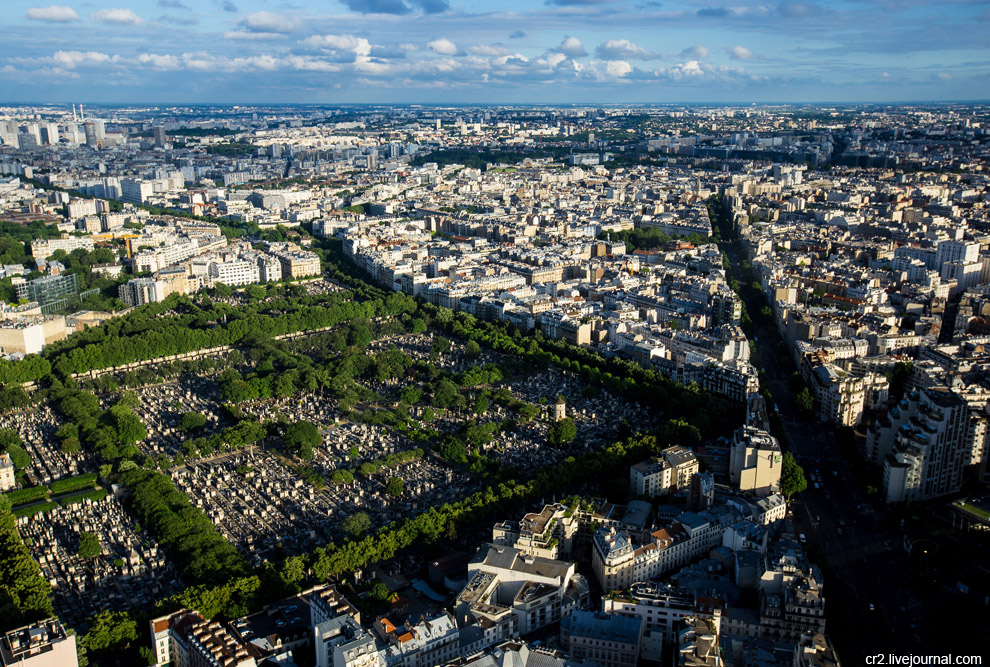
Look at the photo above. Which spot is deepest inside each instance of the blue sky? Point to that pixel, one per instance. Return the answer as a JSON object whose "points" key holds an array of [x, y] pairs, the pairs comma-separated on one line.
{"points": [[502, 51]]}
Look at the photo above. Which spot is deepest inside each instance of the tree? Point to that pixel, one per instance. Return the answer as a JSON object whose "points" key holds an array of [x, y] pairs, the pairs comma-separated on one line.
{"points": [[301, 437], [379, 591], [356, 525], [394, 486], [255, 292], [563, 431], [472, 349], [792, 476], [528, 411], [89, 546], [446, 395], [481, 404], [110, 629], [342, 477], [804, 401], [191, 421]]}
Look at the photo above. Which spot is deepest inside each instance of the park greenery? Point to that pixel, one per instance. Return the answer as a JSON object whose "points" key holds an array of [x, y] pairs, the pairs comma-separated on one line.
{"points": [[651, 238]]}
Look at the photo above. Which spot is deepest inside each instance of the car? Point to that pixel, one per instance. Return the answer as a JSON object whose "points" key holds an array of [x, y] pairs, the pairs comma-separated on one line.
{"points": [[817, 486], [872, 608], [839, 531], [291, 608], [279, 622], [802, 538], [842, 522], [835, 472]]}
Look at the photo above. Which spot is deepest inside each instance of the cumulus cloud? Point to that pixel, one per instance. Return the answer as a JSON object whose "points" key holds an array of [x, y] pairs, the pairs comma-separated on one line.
{"points": [[740, 53], [73, 59], [228, 6], [117, 17], [160, 62], [53, 14], [443, 46], [269, 22], [623, 49], [335, 45], [696, 52], [617, 68], [572, 48]]}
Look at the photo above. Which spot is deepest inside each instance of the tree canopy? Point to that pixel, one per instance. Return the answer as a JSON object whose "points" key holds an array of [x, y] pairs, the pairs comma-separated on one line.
{"points": [[792, 478]]}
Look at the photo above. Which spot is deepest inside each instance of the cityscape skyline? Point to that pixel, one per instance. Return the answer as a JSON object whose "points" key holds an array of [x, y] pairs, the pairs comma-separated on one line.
{"points": [[434, 51]]}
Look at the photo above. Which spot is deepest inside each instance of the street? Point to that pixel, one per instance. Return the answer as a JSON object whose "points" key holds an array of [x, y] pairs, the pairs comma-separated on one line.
{"points": [[870, 607]]}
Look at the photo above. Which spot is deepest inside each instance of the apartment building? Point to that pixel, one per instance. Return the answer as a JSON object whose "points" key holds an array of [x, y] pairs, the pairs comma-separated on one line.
{"points": [[669, 473], [608, 640], [41, 644], [755, 461], [936, 437]]}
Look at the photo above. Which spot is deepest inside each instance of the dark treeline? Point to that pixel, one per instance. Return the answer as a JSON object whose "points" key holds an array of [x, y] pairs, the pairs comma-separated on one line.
{"points": [[23, 591]]}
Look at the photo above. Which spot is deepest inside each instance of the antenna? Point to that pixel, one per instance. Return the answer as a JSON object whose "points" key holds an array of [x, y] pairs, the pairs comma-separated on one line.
{"points": [[74, 113]]}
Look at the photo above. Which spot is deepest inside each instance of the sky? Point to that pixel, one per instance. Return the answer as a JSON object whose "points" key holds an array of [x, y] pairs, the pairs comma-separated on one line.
{"points": [[493, 52]]}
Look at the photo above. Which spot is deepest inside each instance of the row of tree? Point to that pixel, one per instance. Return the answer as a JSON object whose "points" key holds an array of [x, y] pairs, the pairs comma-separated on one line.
{"points": [[24, 592], [157, 332], [201, 552]]}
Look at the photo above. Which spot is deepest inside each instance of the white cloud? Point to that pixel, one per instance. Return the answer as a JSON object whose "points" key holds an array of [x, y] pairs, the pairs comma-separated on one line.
{"points": [[945, 76], [245, 36], [357, 45], [617, 68], [489, 50], [443, 46], [269, 22], [408, 47], [160, 62], [740, 53], [73, 59], [53, 14], [117, 17], [696, 52], [623, 49], [305, 64], [572, 48]]}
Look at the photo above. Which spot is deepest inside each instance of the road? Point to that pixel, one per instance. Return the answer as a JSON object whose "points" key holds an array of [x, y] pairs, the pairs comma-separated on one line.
{"points": [[870, 607]]}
